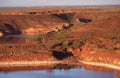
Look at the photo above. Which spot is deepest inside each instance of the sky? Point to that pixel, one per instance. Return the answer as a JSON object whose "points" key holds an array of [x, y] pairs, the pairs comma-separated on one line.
{"points": [[6, 3]]}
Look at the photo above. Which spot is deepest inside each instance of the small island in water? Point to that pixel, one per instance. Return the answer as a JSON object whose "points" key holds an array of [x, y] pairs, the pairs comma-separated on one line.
{"points": [[51, 37]]}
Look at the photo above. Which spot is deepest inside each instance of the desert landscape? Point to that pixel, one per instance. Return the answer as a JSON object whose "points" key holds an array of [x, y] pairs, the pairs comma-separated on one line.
{"points": [[51, 37]]}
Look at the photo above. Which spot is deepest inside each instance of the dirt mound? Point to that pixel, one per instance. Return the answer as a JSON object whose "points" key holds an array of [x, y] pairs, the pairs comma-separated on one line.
{"points": [[17, 24]]}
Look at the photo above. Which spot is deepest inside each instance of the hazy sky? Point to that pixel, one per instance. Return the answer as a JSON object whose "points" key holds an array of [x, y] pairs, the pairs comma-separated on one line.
{"points": [[57, 2]]}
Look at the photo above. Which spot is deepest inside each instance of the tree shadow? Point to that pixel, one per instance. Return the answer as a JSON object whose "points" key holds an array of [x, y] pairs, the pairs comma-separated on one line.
{"points": [[61, 55], [85, 20], [62, 16]]}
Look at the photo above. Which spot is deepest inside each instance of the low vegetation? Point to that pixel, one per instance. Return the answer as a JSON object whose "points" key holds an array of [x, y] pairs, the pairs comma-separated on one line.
{"points": [[63, 39]]}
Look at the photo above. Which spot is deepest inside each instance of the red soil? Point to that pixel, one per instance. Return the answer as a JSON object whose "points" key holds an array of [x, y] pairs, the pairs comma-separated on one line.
{"points": [[103, 33]]}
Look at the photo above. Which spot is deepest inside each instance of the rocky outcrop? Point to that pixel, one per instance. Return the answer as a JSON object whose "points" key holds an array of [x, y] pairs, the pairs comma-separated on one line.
{"points": [[41, 29]]}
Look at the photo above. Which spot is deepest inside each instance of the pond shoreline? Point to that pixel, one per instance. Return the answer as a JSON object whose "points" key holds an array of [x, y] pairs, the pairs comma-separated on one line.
{"points": [[48, 63], [111, 66]]}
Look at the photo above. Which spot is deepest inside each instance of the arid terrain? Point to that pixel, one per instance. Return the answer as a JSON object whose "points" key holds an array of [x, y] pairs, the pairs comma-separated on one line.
{"points": [[69, 36]]}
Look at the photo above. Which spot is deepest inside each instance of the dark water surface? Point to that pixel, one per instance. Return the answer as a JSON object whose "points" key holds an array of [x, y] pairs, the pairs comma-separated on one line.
{"points": [[57, 73]]}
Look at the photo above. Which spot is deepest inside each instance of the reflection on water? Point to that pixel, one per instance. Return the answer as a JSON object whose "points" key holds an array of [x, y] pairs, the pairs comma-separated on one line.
{"points": [[14, 39], [56, 73]]}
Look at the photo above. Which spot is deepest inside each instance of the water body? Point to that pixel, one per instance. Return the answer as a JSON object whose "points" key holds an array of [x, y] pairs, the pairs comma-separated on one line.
{"points": [[57, 73], [54, 73]]}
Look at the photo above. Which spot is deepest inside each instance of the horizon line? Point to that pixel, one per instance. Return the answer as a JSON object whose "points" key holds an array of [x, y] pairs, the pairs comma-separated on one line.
{"points": [[57, 6]]}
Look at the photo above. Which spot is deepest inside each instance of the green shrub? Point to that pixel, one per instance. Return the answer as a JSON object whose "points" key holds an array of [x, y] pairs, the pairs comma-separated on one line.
{"points": [[60, 35], [76, 44], [65, 43]]}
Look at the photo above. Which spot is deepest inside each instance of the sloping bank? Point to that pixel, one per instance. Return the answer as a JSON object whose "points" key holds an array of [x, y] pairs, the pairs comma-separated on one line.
{"points": [[92, 56], [102, 59], [107, 60], [31, 60]]}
